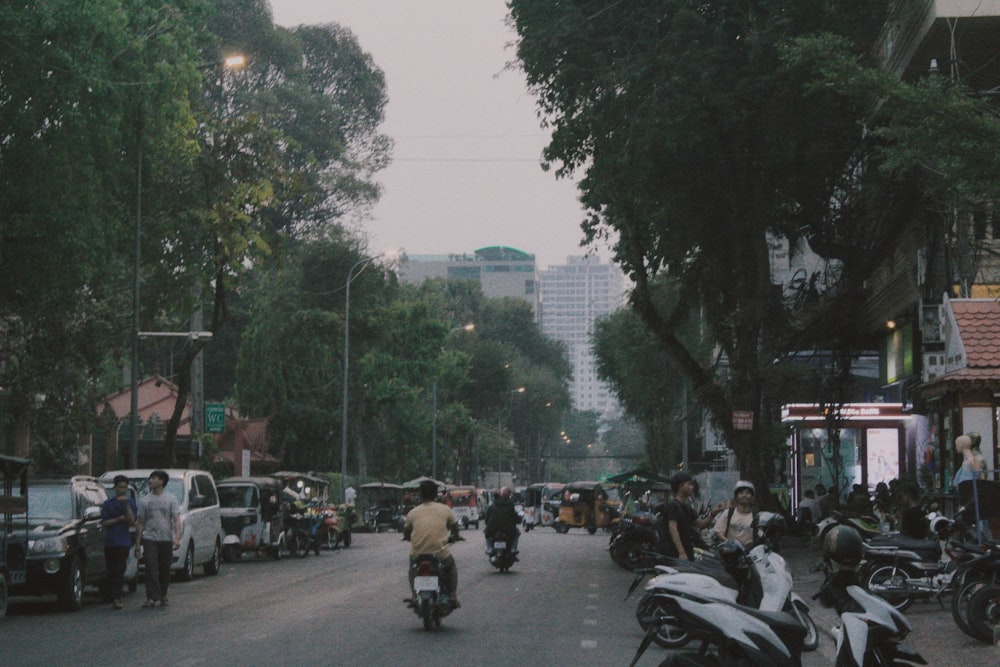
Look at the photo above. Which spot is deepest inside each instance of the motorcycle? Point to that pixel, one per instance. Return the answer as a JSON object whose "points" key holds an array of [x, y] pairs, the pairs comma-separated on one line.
{"points": [[503, 557], [759, 578], [901, 569], [981, 571], [431, 599], [867, 526], [871, 630], [634, 537]]}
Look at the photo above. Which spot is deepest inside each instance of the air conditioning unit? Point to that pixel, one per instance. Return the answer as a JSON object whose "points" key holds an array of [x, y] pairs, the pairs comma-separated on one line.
{"points": [[930, 324], [934, 366]]}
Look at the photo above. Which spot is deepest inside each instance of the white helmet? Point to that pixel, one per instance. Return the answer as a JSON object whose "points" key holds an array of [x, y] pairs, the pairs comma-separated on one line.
{"points": [[744, 484]]}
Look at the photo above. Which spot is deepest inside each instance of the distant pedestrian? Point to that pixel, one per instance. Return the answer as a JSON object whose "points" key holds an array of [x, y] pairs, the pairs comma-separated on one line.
{"points": [[117, 517], [157, 535]]}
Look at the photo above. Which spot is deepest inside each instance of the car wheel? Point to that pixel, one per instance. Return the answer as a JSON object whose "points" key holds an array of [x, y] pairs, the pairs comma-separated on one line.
{"points": [[3, 596], [186, 573], [213, 566], [561, 527], [230, 553], [71, 589]]}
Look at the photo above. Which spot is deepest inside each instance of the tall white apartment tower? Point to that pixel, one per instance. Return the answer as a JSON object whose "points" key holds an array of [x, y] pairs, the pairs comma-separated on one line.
{"points": [[571, 298]]}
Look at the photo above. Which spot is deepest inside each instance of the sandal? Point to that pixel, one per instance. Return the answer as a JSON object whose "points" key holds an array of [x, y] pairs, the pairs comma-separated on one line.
{"points": [[149, 604]]}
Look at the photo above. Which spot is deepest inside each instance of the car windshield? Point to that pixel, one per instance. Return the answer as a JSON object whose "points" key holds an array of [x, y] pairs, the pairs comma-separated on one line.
{"points": [[50, 503], [237, 497]]}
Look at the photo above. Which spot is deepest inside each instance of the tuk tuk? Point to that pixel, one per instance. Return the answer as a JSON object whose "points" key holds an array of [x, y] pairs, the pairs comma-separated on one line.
{"points": [[328, 524], [251, 517], [589, 505], [13, 540], [463, 503], [380, 504], [541, 504]]}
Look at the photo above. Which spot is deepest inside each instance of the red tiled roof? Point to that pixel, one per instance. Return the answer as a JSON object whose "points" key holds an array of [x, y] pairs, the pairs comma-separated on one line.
{"points": [[979, 326]]}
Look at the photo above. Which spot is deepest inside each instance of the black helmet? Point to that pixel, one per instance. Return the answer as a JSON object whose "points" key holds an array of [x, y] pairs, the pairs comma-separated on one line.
{"points": [[843, 546], [730, 552]]}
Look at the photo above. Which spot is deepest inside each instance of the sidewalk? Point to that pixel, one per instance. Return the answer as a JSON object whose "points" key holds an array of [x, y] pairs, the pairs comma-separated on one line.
{"points": [[934, 635]]}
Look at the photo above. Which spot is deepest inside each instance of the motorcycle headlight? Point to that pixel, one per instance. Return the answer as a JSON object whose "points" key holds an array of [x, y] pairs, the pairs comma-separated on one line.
{"points": [[47, 545]]}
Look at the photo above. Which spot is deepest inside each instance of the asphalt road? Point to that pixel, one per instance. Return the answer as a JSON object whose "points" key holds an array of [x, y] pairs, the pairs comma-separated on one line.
{"points": [[561, 605]]}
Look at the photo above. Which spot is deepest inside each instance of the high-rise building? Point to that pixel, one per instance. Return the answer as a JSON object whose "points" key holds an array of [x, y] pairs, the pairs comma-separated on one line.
{"points": [[499, 270], [572, 297]]}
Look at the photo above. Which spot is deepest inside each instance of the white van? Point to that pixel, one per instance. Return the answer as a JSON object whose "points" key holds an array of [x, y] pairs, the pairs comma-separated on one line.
{"points": [[201, 520]]}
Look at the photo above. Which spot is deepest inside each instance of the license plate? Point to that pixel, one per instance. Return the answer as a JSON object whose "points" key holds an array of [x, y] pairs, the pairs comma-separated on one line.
{"points": [[499, 545], [425, 584]]}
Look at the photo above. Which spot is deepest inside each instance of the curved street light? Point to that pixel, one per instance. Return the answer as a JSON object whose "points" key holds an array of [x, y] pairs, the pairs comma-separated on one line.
{"points": [[347, 358]]}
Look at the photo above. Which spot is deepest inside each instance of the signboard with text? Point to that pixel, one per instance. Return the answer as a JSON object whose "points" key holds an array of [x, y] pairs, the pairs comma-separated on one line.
{"points": [[215, 418]]}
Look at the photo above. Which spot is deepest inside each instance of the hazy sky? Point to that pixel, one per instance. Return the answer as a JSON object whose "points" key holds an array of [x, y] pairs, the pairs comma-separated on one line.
{"points": [[465, 171]]}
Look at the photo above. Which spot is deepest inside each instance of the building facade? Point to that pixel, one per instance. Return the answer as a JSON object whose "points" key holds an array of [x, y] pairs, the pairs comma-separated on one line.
{"points": [[572, 297], [500, 271]]}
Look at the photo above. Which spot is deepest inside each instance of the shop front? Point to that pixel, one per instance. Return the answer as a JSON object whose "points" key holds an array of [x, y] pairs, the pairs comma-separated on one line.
{"points": [[864, 443]]}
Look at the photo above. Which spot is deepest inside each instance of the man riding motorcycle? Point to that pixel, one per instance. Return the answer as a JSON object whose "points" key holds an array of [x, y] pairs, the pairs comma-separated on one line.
{"points": [[502, 517], [428, 526]]}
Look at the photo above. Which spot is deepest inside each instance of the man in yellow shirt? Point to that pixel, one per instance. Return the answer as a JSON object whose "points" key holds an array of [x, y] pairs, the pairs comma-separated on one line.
{"points": [[428, 527]]}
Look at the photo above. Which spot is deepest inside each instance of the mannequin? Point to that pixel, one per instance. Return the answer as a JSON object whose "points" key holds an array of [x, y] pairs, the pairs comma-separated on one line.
{"points": [[972, 465]]}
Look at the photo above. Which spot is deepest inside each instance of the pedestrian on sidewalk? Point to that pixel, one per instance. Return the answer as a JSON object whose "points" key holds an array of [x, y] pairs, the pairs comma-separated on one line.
{"points": [[157, 535]]}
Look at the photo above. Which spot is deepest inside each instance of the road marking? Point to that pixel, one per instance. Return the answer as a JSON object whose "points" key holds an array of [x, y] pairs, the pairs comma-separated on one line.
{"points": [[595, 585], [588, 643], [590, 621], [593, 595], [590, 607]]}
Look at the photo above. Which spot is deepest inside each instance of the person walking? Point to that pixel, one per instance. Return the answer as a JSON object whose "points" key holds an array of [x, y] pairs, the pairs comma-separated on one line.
{"points": [[157, 535], [117, 517]]}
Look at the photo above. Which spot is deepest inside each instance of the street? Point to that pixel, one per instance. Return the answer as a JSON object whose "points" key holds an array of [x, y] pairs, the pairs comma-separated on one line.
{"points": [[562, 605]]}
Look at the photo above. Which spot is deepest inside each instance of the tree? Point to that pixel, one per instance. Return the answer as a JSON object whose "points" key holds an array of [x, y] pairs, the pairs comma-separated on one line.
{"points": [[698, 145]]}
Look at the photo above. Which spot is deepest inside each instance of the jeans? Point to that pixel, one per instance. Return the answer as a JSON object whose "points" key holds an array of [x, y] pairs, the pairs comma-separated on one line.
{"points": [[157, 556]]}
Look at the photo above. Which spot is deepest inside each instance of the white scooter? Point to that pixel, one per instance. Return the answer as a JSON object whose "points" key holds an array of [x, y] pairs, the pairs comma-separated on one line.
{"points": [[759, 578]]}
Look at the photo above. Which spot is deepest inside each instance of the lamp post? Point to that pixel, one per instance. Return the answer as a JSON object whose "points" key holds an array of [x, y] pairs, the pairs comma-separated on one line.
{"points": [[510, 408], [347, 361], [230, 62]]}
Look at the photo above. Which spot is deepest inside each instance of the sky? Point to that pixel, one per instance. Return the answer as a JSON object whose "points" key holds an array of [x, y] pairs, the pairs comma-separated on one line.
{"points": [[466, 165]]}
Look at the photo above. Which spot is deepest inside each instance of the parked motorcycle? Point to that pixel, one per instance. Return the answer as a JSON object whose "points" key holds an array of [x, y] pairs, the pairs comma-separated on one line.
{"points": [[972, 575], [632, 539], [503, 557], [866, 525], [759, 578], [431, 599], [901, 569]]}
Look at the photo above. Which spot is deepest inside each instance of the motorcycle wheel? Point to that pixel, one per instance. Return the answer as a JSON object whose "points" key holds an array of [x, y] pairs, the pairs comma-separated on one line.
{"points": [[561, 527], [884, 576], [427, 613], [668, 636], [960, 603], [984, 613], [626, 553]]}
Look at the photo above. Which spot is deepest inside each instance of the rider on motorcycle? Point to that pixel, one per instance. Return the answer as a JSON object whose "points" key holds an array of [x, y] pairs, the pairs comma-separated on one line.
{"points": [[428, 526], [501, 517]]}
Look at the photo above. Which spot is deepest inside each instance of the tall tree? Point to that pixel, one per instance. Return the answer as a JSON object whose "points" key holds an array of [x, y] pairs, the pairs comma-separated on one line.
{"points": [[697, 147]]}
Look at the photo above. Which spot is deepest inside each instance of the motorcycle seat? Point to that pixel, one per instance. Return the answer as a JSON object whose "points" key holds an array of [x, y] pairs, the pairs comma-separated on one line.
{"points": [[889, 544], [782, 623], [707, 568]]}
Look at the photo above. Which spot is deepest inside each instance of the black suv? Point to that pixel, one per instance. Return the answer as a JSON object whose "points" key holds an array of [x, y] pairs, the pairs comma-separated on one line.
{"points": [[65, 539]]}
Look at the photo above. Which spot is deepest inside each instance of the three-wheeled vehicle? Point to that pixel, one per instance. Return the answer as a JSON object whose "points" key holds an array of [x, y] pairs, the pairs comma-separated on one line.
{"points": [[327, 524], [380, 504], [541, 504], [589, 505], [251, 517], [13, 537], [464, 504]]}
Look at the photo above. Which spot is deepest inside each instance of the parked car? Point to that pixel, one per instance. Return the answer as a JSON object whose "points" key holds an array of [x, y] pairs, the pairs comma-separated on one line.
{"points": [[65, 540], [201, 521]]}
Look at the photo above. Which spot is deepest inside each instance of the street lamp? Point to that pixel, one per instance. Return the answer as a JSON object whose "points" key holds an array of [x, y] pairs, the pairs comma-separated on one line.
{"points": [[510, 408], [434, 412], [347, 360], [230, 62]]}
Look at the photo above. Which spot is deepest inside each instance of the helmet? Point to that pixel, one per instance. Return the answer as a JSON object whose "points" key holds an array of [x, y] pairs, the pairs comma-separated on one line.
{"points": [[743, 484], [843, 546]]}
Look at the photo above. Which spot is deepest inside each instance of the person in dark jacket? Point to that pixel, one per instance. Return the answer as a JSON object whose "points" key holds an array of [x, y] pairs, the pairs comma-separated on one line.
{"points": [[502, 517]]}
